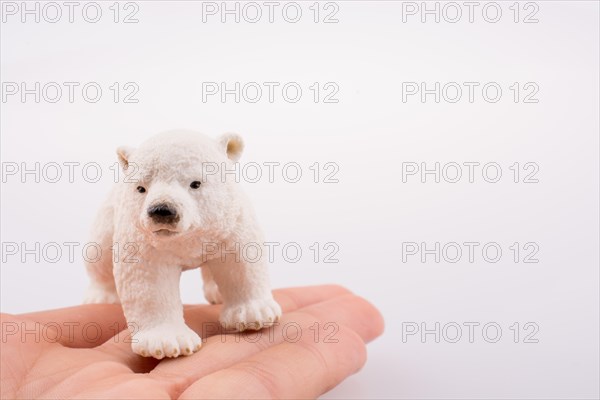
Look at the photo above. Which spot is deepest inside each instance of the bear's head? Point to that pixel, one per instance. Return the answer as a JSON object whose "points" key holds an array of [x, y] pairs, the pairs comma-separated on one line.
{"points": [[177, 183]]}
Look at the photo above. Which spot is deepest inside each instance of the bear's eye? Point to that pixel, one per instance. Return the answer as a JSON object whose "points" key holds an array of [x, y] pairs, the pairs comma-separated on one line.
{"points": [[141, 189], [195, 184]]}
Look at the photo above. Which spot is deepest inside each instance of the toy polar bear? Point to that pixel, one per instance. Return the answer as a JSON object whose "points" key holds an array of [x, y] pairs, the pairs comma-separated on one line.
{"points": [[169, 214]]}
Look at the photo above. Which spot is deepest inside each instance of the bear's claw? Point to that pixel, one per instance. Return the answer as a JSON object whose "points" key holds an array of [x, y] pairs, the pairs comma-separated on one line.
{"points": [[166, 341], [253, 315]]}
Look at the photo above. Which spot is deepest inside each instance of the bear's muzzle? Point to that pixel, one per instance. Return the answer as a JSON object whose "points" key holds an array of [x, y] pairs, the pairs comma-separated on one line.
{"points": [[163, 213]]}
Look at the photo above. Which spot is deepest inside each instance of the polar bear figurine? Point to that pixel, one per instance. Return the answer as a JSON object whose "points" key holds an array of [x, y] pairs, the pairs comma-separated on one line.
{"points": [[175, 209]]}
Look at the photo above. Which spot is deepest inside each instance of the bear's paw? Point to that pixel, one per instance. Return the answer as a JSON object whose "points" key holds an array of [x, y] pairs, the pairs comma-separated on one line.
{"points": [[166, 341], [254, 315]]}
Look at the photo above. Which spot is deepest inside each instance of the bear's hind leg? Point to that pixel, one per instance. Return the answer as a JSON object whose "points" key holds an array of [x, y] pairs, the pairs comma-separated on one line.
{"points": [[211, 290], [100, 294], [102, 287]]}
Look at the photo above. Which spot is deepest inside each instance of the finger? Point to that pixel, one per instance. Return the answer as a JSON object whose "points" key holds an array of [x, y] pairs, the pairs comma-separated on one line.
{"points": [[319, 322], [204, 319], [90, 325], [302, 369], [87, 325]]}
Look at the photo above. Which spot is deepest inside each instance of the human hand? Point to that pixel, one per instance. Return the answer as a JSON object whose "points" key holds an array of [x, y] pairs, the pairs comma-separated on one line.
{"points": [[74, 352]]}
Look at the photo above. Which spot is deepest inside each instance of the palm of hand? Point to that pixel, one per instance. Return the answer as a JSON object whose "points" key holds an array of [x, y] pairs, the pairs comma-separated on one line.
{"points": [[74, 352]]}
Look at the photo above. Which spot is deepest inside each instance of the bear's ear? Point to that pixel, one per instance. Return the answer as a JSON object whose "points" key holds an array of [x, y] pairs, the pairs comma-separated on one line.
{"points": [[123, 153], [232, 144]]}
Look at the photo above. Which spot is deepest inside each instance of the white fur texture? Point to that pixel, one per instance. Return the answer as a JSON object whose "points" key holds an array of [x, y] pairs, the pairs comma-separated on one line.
{"points": [[149, 254]]}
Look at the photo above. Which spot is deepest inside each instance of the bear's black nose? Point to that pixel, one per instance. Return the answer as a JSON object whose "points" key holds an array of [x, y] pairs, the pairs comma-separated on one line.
{"points": [[163, 213]]}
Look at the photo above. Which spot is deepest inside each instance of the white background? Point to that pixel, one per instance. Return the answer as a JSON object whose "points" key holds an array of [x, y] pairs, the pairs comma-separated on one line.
{"points": [[369, 133]]}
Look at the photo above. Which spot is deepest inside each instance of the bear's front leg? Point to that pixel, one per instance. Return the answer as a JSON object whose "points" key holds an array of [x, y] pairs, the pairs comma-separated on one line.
{"points": [[247, 299], [149, 294]]}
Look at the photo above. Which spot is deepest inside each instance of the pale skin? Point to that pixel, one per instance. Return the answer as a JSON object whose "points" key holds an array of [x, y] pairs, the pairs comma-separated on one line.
{"points": [[278, 364]]}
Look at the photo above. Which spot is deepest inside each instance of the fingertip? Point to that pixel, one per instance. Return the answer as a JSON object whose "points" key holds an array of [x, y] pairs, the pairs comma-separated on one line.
{"points": [[376, 322], [295, 298], [335, 289], [359, 349], [355, 312]]}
